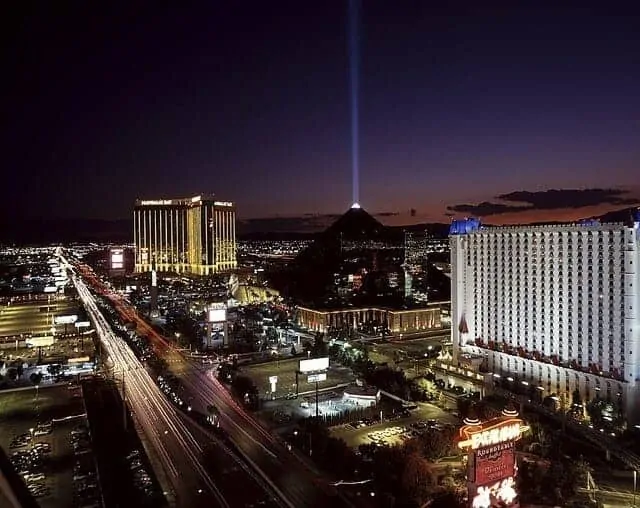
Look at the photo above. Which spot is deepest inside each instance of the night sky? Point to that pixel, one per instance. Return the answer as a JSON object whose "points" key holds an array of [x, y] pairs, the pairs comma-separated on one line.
{"points": [[249, 100]]}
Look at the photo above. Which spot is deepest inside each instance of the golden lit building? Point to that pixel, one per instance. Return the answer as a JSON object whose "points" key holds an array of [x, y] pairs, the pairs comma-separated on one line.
{"points": [[398, 321], [189, 235]]}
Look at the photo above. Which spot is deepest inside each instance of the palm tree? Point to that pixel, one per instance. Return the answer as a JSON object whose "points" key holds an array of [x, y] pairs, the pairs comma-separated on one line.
{"points": [[36, 378], [541, 440]]}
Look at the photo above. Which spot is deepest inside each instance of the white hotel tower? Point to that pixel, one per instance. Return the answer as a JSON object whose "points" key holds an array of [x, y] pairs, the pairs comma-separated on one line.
{"points": [[554, 306]]}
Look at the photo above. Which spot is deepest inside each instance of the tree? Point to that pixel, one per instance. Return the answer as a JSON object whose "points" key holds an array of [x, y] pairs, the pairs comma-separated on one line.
{"points": [[576, 398], [540, 440], [36, 378], [417, 478], [319, 348], [437, 444], [54, 369], [272, 335], [448, 498]]}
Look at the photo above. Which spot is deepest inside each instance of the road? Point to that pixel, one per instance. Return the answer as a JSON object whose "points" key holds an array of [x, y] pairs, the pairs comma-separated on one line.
{"points": [[291, 476], [169, 433]]}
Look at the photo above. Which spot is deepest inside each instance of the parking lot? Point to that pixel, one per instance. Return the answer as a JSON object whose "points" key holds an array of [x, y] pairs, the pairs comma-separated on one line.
{"points": [[47, 440], [286, 372], [29, 317], [393, 431]]}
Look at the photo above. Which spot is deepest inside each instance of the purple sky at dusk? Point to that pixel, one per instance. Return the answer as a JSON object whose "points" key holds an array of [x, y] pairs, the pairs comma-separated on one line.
{"points": [[251, 102]]}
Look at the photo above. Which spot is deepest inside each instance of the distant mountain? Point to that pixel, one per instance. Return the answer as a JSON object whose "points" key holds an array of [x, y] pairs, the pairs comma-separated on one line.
{"points": [[353, 224], [625, 215]]}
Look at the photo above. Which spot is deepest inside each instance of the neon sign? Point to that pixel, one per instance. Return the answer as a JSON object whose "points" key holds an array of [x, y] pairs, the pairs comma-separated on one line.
{"points": [[503, 491], [157, 202], [475, 436], [223, 203]]}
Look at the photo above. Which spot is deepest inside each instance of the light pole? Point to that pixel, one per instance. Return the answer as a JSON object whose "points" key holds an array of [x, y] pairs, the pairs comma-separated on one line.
{"points": [[635, 484]]}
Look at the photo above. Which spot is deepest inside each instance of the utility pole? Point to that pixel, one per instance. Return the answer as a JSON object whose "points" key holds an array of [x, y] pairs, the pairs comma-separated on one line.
{"points": [[317, 400]]}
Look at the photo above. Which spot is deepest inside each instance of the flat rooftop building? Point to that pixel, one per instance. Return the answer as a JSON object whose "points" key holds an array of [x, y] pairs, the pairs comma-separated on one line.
{"points": [[195, 235], [554, 307]]}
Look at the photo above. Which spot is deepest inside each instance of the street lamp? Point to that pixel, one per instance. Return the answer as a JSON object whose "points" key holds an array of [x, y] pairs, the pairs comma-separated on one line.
{"points": [[635, 483]]}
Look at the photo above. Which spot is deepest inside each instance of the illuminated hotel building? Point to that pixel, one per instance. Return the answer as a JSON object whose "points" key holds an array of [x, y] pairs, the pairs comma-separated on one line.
{"points": [[397, 321], [554, 307], [192, 235]]}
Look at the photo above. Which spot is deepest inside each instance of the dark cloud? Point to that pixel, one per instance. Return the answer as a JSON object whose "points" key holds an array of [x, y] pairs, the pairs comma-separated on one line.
{"points": [[552, 199], [386, 214], [486, 208]]}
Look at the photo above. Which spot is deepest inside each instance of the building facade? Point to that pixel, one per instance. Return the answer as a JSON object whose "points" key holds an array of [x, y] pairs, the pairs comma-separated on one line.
{"points": [[397, 321], [191, 235], [552, 306]]}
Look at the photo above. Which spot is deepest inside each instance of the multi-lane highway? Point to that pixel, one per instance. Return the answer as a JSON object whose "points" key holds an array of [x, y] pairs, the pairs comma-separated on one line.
{"points": [[291, 476], [187, 455]]}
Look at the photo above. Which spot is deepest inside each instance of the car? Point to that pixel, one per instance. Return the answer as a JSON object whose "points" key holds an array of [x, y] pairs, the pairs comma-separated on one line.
{"points": [[42, 447], [33, 477]]}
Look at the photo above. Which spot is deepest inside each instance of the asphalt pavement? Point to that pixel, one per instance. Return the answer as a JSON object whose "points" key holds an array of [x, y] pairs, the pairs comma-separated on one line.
{"points": [[293, 478], [26, 318], [164, 428]]}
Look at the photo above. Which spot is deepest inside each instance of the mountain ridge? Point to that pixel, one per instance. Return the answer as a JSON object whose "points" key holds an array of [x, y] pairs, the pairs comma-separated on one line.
{"points": [[45, 231]]}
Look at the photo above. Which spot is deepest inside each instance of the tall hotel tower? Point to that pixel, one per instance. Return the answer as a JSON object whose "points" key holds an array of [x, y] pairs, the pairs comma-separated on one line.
{"points": [[553, 307], [191, 235]]}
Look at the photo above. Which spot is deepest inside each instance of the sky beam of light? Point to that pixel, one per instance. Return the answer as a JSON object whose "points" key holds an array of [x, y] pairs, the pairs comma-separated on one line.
{"points": [[354, 79]]}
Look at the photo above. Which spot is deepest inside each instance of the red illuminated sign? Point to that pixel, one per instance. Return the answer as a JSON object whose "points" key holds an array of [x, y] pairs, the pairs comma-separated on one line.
{"points": [[492, 460], [494, 463], [501, 430]]}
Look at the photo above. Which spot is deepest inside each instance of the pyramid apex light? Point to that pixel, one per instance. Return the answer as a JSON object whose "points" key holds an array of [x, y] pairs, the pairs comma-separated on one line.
{"points": [[355, 206]]}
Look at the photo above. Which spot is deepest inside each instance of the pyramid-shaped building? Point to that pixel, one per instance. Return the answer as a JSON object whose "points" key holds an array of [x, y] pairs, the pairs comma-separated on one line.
{"points": [[312, 274]]}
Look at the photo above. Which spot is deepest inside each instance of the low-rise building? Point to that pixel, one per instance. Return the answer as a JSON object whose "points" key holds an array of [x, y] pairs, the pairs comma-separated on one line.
{"points": [[424, 318]]}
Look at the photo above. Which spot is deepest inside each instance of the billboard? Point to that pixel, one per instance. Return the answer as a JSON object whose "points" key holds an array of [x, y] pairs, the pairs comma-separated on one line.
{"points": [[314, 365], [82, 324], [217, 313], [317, 378], [116, 259], [494, 463], [40, 341], [65, 320], [50, 289]]}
